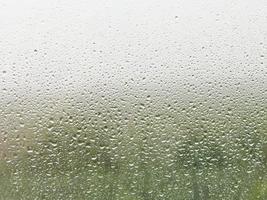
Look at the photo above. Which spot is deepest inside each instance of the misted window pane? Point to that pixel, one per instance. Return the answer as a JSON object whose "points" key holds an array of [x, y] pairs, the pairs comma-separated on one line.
{"points": [[133, 100]]}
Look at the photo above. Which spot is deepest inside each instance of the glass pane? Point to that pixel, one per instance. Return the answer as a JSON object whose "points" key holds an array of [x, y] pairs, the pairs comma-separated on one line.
{"points": [[133, 100]]}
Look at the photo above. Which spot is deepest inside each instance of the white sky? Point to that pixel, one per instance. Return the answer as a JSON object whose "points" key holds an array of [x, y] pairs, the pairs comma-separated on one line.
{"points": [[82, 45]]}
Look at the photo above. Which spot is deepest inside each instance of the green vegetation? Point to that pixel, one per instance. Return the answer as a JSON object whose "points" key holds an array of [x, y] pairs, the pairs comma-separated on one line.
{"points": [[146, 153]]}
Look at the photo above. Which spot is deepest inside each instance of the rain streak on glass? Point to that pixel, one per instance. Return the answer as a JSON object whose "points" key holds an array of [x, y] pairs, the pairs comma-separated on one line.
{"points": [[133, 100]]}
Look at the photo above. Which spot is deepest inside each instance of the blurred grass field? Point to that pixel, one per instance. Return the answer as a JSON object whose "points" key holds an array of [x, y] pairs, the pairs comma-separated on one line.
{"points": [[148, 156]]}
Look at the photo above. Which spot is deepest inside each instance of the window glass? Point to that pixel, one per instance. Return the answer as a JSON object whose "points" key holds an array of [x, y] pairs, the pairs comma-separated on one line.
{"points": [[132, 100]]}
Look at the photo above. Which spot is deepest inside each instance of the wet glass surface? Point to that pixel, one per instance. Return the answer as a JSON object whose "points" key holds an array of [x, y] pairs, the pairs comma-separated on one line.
{"points": [[133, 100]]}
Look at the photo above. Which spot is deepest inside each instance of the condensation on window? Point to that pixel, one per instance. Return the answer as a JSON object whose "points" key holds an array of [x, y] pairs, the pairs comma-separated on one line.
{"points": [[133, 100]]}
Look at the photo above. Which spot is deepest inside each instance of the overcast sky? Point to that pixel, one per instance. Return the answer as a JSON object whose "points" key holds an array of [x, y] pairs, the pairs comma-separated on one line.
{"points": [[53, 46]]}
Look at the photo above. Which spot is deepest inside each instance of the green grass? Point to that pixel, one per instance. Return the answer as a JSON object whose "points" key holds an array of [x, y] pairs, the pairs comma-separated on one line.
{"points": [[149, 156]]}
